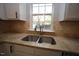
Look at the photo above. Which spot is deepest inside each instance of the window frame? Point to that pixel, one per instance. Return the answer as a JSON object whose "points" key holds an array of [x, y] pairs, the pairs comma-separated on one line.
{"points": [[51, 14]]}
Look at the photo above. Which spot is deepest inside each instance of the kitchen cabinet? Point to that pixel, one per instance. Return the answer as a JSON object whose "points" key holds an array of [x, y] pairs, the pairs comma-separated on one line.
{"points": [[66, 11], [70, 54], [23, 50], [20, 50], [15, 11], [8, 49], [2, 11], [11, 10], [45, 52], [31, 51], [1, 50], [1, 47]]}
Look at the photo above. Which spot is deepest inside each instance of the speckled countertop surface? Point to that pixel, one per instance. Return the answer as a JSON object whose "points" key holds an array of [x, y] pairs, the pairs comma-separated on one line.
{"points": [[62, 43]]}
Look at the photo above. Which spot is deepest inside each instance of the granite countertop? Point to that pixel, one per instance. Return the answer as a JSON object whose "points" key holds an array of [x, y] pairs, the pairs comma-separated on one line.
{"points": [[62, 43]]}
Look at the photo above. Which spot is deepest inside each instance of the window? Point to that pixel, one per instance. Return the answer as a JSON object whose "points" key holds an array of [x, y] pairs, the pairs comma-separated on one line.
{"points": [[42, 14]]}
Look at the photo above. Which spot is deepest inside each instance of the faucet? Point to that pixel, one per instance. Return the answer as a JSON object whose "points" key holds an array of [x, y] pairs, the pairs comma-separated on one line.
{"points": [[40, 26], [41, 30]]}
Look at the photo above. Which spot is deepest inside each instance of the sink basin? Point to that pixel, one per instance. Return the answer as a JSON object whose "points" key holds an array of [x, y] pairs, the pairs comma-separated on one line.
{"points": [[39, 39], [44, 39], [30, 38]]}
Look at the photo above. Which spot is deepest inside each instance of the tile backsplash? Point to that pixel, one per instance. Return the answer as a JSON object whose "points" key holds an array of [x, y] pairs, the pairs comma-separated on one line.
{"points": [[67, 28], [13, 26], [18, 26]]}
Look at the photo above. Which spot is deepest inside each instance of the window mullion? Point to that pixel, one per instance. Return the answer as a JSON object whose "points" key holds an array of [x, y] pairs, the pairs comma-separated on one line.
{"points": [[38, 15], [44, 13]]}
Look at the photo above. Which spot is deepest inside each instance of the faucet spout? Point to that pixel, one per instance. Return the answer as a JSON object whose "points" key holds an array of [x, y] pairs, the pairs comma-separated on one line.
{"points": [[35, 28], [40, 28]]}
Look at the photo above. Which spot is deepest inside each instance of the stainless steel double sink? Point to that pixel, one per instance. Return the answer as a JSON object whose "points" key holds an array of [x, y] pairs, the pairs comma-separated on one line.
{"points": [[39, 39]]}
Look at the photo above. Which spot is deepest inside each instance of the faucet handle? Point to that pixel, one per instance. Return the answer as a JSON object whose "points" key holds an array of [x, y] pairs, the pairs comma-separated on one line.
{"points": [[41, 28], [35, 28]]}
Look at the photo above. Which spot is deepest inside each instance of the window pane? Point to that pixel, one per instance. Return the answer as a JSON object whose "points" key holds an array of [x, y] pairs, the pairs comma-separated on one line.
{"points": [[41, 10], [40, 5], [48, 9], [48, 4], [35, 18], [41, 19], [47, 22], [41, 15], [35, 21], [35, 5], [35, 10]]}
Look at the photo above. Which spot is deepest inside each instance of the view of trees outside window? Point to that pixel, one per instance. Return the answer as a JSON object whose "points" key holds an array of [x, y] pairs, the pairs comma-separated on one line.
{"points": [[42, 14]]}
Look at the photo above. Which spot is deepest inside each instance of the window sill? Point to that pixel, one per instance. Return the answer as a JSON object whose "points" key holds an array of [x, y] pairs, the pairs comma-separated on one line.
{"points": [[39, 30], [45, 32]]}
